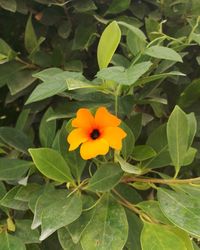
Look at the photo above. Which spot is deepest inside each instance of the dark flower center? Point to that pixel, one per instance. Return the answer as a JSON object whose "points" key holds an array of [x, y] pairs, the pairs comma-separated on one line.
{"points": [[95, 134]]}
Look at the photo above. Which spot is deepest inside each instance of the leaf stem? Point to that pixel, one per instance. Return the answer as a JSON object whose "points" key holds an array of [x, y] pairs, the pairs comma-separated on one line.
{"points": [[161, 181]]}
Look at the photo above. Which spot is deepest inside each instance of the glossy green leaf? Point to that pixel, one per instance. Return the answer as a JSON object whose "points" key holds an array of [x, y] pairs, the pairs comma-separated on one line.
{"points": [[143, 152], [47, 129], [163, 53], [163, 238], [30, 39], [13, 169], [181, 209], [60, 214], [108, 43], [105, 178], [192, 123], [50, 163], [177, 136], [10, 242], [112, 224]]}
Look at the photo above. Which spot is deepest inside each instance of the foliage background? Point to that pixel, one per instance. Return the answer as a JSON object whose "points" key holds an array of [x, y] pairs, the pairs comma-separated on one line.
{"points": [[43, 34]]}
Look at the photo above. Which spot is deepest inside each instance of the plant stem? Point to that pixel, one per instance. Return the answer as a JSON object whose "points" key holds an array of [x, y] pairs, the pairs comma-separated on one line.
{"points": [[161, 181]]}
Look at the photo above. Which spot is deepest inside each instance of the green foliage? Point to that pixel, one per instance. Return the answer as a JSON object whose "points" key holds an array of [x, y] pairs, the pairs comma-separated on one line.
{"points": [[139, 59]]}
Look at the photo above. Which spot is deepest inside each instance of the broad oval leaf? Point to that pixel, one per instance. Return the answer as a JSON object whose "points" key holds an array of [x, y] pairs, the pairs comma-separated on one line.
{"points": [[10, 242], [163, 238], [60, 214], [108, 228], [108, 43], [163, 53], [177, 136], [181, 209], [127, 167], [105, 178], [13, 169], [50, 163], [30, 36]]}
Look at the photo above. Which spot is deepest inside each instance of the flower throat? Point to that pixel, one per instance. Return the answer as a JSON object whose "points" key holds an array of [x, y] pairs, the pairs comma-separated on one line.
{"points": [[95, 134]]}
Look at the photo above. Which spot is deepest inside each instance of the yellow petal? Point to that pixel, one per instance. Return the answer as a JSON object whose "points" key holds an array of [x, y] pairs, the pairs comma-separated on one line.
{"points": [[105, 119], [114, 136], [92, 148], [76, 137], [84, 119]]}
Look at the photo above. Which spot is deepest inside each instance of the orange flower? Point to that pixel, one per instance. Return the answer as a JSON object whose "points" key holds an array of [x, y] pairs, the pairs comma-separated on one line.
{"points": [[95, 133]]}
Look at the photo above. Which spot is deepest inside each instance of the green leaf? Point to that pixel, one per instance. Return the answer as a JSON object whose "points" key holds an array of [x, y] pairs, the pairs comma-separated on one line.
{"points": [[7, 75], [181, 209], [9, 200], [143, 152], [190, 94], [21, 80], [10, 242], [66, 240], [51, 164], [112, 224], [134, 43], [158, 141], [30, 38], [118, 6], [77, 228], [60, 214], [10, 5], [13, 169], [47, 130], [83, 6], [135, 228], [192, 123], [177, 136], [189, 156], [54, 83], [128, 142], [105, 178], [135, 124], [152, 209], [108, 43], [22, 119], [127, 167], [163, 238], [137, 32], [124, 76], [163, 53], [15, 138], [25, 233]]}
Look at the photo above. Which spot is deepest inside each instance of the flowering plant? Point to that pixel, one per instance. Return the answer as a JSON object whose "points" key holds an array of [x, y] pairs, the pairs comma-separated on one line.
{"points": [[99, 153]]}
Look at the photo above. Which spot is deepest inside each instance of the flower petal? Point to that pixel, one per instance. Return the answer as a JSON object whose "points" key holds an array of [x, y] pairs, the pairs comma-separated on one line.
{"points": [[105, 119], [76, 137], [84, 119], [92, 148], [114, 136]]}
